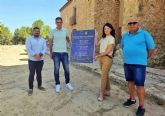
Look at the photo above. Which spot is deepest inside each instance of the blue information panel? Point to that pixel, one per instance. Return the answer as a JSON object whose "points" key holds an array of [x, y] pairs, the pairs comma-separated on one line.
{"points": [[83, 46]]}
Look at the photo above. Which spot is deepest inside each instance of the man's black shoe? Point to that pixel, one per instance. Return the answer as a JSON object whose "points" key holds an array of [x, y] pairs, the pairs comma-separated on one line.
{"points": [[41, 88], [129, 102], [140, 111]]}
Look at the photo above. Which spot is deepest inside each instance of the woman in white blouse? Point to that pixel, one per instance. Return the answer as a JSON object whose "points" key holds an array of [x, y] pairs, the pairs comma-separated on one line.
{"points": [[105, 56]]}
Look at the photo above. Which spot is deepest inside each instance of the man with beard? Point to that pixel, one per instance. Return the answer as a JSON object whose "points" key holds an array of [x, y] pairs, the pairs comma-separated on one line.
{"points": [[36, 48]]}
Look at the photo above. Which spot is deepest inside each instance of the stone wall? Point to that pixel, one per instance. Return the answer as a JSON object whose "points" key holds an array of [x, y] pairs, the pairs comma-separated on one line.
{"points": [[84, 14], [127, 8], [152, 14], [107, 11], [95, 13]]}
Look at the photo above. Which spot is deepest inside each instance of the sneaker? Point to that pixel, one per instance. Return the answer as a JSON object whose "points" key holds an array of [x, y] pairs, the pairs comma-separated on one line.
{"points": [[58, 88], [41, 88], [140, 111], [69, 86], [30, 92], [129, 102]]}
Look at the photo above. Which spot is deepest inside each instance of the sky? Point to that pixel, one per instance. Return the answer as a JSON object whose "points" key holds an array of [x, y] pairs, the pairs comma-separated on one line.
{"points": [[17, 13]]}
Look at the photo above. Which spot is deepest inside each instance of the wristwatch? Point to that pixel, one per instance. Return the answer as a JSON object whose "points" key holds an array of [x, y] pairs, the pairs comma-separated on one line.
{"points": [[40, 54]]}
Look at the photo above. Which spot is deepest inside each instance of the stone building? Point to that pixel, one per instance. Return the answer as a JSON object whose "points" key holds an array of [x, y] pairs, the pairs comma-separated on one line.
{"points": [[93, 14]]}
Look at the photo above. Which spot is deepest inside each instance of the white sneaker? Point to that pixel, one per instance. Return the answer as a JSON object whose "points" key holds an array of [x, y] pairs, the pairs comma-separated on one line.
{"points": [[69, 86], [58, 88]]}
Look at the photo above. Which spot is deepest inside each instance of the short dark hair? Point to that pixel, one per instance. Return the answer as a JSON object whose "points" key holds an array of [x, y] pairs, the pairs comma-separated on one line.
{"points": [[58, 18], [36, 28]]}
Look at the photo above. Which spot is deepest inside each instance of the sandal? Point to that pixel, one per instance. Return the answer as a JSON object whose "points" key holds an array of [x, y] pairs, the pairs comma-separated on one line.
{"points": [[100, 98]]}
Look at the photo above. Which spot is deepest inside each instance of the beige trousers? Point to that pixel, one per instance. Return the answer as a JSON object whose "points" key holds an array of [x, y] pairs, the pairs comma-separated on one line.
{"points": [[105, 65]]}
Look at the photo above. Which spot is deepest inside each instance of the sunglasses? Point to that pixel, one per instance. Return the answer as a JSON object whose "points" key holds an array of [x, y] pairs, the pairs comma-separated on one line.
{"points": [[132, 23]]}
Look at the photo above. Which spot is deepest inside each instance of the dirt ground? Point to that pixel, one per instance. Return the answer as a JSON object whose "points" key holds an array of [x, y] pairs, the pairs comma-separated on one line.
{"points": [[14, 100]]}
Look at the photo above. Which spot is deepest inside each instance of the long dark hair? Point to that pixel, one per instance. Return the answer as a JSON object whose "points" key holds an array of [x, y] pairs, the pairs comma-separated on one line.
{"points": [[112, 32]]}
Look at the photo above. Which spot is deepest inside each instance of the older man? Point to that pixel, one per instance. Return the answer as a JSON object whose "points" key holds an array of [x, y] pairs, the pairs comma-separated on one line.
{"points": [[137, 46]]}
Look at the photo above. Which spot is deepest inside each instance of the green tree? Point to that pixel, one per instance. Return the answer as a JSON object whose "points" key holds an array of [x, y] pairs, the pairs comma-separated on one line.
{"points": [[38, 23], [16, 38], [1, 27], [1, 36], [21, 34], [5, 35], [45, 30]]}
